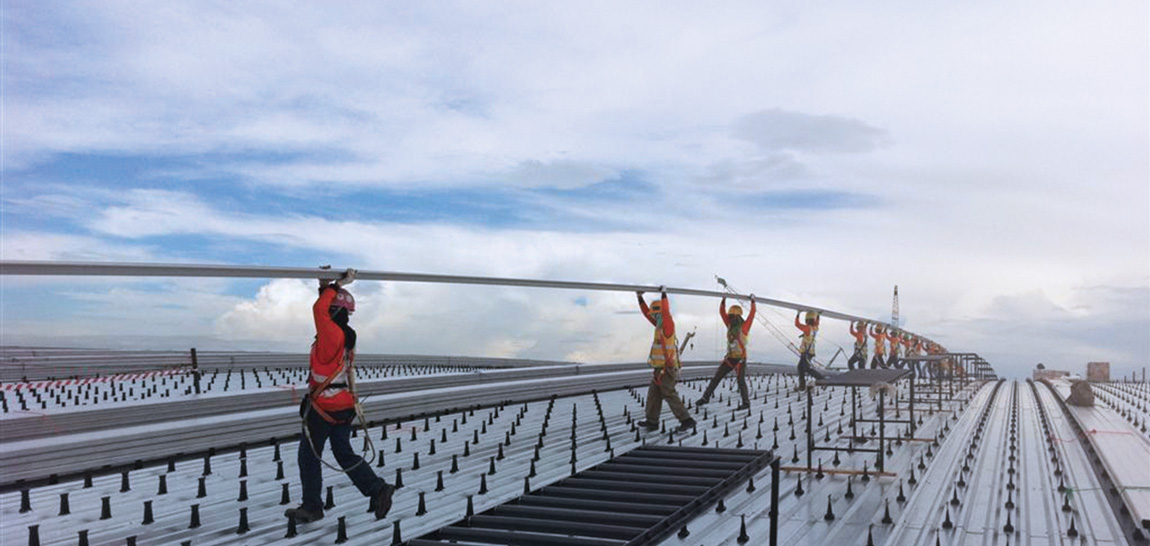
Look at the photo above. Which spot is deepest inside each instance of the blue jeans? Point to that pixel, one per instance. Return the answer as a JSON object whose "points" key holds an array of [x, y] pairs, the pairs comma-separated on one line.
{"points": [[311, 469]]}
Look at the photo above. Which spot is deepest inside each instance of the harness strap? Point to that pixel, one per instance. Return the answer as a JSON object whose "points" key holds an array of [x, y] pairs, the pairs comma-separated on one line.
{"points": [[735, 363], [324, 385]]}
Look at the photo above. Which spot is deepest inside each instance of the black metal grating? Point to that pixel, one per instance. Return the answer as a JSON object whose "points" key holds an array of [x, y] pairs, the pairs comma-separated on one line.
{"points": [[637, 498]]}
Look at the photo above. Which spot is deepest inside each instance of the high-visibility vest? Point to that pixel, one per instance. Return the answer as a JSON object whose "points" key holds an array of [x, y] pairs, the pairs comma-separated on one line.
{"points": [[879, 344], [808, 345], [662, 348], [736, 344], [337, 385], [860, 346]]}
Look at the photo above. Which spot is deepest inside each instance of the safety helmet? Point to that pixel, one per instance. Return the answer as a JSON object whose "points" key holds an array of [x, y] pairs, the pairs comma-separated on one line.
{"points": [[735, 310], [811, 316], [657, 306], [343, 299]]}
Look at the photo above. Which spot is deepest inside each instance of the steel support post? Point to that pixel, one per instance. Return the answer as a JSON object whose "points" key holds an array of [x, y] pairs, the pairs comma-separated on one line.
{"points": [[881, 430], [774, 513], [810, 434], [854, 418], [912, 423], [195, 371]]}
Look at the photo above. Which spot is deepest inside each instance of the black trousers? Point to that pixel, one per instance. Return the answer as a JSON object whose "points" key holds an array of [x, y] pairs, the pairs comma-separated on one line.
{"points": [[857, 361], [806, 369], [725, 367]]}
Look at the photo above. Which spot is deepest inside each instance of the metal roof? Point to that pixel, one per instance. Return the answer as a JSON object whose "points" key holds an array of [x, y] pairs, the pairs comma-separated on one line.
{"points": [[1000, 461]]}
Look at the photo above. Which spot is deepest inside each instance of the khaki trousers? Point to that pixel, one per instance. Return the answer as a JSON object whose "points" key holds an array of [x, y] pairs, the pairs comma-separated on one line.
{"points": [[663, 388]]}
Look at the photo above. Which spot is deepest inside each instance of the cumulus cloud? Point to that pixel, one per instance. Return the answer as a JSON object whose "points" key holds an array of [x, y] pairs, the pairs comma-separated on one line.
{"points": [[280, 313]]}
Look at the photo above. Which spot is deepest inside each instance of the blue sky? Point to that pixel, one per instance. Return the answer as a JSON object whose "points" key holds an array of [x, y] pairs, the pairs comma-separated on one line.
{"points": [[989, 158]]}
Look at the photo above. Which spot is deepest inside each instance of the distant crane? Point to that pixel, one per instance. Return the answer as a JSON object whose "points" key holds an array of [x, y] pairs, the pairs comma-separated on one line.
{"points": [[894, 310]]}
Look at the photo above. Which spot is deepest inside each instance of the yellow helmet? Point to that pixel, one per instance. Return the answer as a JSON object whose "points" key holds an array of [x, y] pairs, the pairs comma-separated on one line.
{"points": [[811, 316], [735, 310], [657, 306]]}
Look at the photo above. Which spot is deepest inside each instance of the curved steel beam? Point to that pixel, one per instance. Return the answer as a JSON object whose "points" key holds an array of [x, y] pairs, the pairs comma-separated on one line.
{"points": [[107, 269]]}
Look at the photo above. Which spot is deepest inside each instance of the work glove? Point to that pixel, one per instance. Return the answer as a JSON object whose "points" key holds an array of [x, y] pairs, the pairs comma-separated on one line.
{"points": [[348, 277]]}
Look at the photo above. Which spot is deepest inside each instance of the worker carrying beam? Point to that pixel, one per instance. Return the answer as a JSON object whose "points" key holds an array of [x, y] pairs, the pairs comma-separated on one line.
{"points": [[878, 332], [664, 358], [738, 331], [858, 359], [895, 339], [329, 408], [808, 330]]}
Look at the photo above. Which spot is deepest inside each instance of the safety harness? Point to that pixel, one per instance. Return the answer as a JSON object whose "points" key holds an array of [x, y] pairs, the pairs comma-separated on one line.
{"points": [[369, 446], [313, 391], [666, 355], [736, 363]]}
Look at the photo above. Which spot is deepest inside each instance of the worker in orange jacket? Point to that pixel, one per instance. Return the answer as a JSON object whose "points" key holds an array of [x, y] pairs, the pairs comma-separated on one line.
{"points": [[895, 339], [329, 407], [857, 361], [809, 330], [878, 332], [664, 358], [738, 331]]}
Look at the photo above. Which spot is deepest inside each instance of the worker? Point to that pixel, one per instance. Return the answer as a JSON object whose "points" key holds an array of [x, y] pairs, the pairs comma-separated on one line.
{"points": [[895, 339], [912, 344], [857, 361], [330, 407], [878, 332], [736, 359], [664, 358], [807, 349]]}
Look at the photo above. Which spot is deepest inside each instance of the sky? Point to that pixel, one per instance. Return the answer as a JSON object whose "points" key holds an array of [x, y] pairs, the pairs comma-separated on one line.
{"points": [[990, 158]]}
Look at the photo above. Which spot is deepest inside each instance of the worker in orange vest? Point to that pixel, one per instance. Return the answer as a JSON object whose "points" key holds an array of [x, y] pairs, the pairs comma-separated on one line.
{"points": [[857, 361], [664, 358], [895, 339], [329, 407], [807, 348], [878, 332], [737, 332]]}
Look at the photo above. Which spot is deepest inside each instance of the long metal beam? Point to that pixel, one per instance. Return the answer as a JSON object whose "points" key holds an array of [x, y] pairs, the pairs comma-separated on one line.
{"points": [[102, 269]]}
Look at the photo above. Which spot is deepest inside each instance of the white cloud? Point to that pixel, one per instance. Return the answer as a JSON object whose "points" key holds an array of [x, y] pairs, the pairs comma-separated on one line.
{"points": [[280, 313], [35, 245], [1006, 147]]}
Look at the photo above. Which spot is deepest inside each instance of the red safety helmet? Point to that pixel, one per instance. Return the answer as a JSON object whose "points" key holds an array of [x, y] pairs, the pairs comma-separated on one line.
{"points": [[343, 299]]}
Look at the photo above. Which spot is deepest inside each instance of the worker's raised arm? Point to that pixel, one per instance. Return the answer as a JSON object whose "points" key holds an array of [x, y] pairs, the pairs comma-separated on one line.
{"points": [[750, 317], [723, 311], [643, 308], [668, 320]]}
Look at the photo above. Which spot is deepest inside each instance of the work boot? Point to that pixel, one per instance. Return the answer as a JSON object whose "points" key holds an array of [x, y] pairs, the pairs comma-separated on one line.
{"points": [[703, 401], [648, 425], [685, 426], [381, 501], [743, 406], [304, 515]]}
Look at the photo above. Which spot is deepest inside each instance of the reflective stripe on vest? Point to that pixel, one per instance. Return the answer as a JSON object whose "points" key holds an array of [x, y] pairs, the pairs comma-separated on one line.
{"points": [[662, 347], [339, 379]]}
